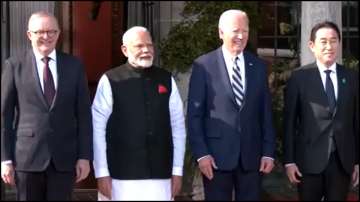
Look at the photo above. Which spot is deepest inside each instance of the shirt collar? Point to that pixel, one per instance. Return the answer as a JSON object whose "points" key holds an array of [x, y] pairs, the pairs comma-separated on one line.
{"points": [[322, 67], [228, 56], [38, 56]]}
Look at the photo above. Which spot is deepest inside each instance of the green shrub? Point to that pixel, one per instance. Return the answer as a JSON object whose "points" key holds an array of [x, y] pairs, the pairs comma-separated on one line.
{"points": [[197, 33]]}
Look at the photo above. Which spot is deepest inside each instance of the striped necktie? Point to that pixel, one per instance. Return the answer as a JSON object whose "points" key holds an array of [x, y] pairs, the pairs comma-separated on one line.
{"points": [[237, 85]]}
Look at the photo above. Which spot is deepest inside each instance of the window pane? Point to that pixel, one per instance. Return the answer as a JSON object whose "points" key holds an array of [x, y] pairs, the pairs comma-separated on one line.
{"points": [[354, 47], [266, 42], [267, 13], [354, 15], [282, 16], [350, 28], [283, 43]]}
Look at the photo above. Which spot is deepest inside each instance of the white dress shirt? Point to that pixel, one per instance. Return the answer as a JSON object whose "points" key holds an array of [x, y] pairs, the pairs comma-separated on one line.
{"points": [[40, 65], [333, 76], [229, 62]]}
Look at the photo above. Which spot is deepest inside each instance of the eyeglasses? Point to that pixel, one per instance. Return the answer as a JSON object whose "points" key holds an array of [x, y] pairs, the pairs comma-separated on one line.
{"points": [[50, 33]]}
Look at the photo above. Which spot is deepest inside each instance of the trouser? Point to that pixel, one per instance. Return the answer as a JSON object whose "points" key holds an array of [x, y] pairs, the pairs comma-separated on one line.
{"points": [[245, 184], [331, 184], [45, 185]]}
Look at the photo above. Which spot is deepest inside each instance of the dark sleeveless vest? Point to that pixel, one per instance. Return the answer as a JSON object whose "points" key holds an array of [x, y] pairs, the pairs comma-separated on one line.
{"points": [[138, 132]]}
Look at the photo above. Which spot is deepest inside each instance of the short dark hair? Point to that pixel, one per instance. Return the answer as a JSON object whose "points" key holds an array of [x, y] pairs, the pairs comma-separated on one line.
{"points": [[324, 24]]}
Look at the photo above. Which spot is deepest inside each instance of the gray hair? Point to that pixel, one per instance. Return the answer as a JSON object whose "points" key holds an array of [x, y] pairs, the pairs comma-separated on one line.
{"points": [[43, 14], [131, 32], [228, 14]]}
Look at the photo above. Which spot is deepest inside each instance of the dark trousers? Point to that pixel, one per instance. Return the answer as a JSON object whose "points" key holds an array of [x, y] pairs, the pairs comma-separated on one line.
{"points": [[245, 184], [48, 185], [332, 184]]}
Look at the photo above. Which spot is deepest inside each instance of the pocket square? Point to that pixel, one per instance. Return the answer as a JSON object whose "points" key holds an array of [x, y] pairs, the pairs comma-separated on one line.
{"points": [[162, 89]]}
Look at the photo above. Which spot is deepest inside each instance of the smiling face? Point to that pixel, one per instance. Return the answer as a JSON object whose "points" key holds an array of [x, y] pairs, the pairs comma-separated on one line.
{"points": [[234, 31], [139, 49], [325, 46], [43, 32]]}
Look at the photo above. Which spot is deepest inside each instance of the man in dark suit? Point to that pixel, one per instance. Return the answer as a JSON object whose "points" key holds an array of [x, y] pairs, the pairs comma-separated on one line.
{"points": [[46, 128], [322, 121], [229, 115]]}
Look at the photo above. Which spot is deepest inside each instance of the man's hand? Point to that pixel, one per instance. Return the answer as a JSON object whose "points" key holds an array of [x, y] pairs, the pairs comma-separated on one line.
{"points": [[293, 173], [176, 182], [355, 176], [104, 186], [206, 165], [82, 169], [7, 173], [266, 165]]}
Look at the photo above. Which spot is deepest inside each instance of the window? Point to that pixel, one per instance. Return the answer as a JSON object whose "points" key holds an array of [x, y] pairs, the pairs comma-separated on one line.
{"points": [[350, 29], [277, 37]]}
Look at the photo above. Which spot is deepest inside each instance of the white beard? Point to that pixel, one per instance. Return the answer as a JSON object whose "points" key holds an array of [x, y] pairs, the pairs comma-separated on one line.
{"points": [[141, 62], [144, 63]]}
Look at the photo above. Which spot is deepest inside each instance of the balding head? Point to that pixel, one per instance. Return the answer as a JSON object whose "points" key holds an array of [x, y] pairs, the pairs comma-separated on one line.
{"points": [[229, 15], [33, 19]]}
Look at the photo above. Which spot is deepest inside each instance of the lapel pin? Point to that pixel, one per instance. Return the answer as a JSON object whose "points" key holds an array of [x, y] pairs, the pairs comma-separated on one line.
{"points": [[250, 64], [343, 80]]}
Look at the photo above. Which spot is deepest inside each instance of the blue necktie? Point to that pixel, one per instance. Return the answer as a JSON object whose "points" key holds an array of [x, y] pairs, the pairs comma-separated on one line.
{"points": [[237, 86], [329, 88], [49, 87]]}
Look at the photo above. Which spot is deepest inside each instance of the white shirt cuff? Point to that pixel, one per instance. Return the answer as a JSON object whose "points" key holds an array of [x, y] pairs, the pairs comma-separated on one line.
{"points": [[266, 157], [6, 162], [202, 157], [101, 172], [177, 171], [289, 164]]}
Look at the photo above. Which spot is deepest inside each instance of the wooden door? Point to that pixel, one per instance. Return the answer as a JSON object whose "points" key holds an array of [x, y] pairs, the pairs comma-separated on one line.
{"points": [[97, 28]]}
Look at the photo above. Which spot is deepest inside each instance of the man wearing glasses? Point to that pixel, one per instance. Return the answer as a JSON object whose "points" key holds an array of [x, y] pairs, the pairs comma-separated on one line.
{"points": [[46, 128]]}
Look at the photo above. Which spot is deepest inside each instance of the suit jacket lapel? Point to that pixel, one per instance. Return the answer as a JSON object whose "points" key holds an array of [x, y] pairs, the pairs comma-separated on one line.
{"points": [[224, 75], [249, 76], [60, 73], [341, 80], [31, 61]]}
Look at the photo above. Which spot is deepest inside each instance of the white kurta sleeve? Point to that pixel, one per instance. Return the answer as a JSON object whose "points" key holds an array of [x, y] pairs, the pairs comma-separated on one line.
{"points": [[178, 129], [101, 111]]}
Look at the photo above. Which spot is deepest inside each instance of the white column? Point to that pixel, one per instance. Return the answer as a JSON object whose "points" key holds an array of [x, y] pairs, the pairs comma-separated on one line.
{"points": [[313, 12]]}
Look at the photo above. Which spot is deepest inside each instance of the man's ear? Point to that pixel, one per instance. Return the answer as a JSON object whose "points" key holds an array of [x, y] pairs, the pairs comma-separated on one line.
{"points": [[311, 45], [28, 33], [124, 50], [221, 33]]}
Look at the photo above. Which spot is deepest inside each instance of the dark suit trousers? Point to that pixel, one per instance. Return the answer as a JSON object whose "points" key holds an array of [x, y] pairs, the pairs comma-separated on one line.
{"points": [[246, 185], [48, 185], [332, 184]]}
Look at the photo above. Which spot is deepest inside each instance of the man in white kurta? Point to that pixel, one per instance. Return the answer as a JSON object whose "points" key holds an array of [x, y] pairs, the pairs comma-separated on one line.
{"points": [[137, 46]]}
